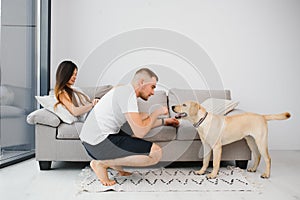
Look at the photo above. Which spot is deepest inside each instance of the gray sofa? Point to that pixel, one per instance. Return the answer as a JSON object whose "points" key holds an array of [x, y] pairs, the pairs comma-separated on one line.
{"points": [[58, 141]]}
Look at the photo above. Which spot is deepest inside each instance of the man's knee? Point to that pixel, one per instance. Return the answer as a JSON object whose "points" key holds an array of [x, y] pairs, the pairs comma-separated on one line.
{"points": [[156, 152]]}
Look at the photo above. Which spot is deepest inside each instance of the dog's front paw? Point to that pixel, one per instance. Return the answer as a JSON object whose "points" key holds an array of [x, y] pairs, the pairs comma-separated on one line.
{"points": [[251, 170], [211, 176], [200, 172], [265, 175]]}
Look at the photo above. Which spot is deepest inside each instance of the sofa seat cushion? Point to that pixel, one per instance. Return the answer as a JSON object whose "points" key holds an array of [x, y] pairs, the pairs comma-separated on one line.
{"points": [[69, 131], [158, 134], [161, 134], [186, 131]]}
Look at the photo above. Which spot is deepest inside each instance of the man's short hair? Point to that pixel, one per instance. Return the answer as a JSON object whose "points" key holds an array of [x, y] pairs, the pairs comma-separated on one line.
{"points": [[145, 73]]}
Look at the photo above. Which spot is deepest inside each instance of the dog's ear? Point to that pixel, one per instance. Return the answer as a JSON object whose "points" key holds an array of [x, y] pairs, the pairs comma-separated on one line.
{"points": [[194, 108]]}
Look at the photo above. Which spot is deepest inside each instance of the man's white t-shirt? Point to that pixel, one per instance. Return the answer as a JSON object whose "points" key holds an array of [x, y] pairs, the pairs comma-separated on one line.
{"points": [[108, 115]]}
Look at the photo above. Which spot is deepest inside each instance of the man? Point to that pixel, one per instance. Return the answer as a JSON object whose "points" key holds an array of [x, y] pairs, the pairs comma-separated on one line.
{"points": [[107, 144]]}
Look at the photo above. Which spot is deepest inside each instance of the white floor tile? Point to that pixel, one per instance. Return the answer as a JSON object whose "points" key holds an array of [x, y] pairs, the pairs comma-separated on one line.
{"points": [[25, 181]]}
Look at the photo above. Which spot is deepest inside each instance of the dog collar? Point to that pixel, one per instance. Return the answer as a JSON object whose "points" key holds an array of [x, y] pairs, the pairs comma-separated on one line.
{"points": [[196, 125]]}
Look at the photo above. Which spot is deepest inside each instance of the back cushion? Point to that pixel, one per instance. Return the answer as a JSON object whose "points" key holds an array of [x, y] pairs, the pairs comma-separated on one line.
{"points": [[178, 96], [96, 92], [157, 100]]}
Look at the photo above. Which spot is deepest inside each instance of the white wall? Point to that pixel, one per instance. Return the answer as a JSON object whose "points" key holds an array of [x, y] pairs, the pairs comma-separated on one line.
{"points": [[250, 47]]}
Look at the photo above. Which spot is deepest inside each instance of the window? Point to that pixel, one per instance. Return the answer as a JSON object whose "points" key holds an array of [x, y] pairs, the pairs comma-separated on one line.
{"points": [[18, 79]]}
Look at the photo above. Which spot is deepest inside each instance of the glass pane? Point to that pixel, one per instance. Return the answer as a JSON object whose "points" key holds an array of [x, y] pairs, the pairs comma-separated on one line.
{"points": [[17, 78]]}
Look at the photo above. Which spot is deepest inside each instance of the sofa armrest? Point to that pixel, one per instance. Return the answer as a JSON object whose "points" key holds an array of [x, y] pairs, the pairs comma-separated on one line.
{"points": [[43, 116]]}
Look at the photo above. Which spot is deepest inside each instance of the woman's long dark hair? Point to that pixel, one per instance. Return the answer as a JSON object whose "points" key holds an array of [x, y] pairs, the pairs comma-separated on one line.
{"points": [[64, 72]]}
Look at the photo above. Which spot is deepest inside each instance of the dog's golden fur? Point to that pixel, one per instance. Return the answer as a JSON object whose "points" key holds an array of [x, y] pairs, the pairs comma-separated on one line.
{"points": [[218, 130]]}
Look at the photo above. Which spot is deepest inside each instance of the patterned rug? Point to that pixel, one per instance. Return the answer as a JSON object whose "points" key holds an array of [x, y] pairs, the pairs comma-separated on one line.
{"points": [[167, 179]]}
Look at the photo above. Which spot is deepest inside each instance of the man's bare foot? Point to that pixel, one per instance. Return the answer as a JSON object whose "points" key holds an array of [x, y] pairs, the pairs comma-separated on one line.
{"points": [[101, 172], [124, 173], [121, 172]]}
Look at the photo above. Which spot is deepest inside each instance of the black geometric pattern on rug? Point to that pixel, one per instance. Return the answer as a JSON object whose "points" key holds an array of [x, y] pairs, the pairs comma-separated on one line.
{"points": [[170, 179]]}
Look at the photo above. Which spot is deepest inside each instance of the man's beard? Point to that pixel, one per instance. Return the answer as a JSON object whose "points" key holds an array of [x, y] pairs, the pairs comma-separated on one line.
{"points": [[145, 98]]}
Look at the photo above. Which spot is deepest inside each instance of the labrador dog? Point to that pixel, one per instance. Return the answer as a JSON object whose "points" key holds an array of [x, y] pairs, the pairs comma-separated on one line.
{"points": [[218, 130]]}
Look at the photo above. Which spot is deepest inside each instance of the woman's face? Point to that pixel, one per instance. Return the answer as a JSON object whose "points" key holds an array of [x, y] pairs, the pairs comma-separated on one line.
{"points": [[73, 78]]}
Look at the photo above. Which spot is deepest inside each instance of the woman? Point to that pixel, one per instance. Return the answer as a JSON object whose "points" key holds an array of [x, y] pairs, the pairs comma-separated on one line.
{"points": [[76, 102]]}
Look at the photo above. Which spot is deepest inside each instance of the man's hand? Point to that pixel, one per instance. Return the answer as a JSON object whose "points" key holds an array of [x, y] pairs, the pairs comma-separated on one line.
{"points": [[171, 122]]}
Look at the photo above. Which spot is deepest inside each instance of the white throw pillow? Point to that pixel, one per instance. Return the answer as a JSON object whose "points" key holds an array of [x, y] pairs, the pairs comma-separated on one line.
{"points": [[219, 106], [48, 102]]}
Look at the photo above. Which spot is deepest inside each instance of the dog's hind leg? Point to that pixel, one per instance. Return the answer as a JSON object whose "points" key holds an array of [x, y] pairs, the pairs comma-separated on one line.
{"points": [[265, 154], [256, 155], [262, 145]]}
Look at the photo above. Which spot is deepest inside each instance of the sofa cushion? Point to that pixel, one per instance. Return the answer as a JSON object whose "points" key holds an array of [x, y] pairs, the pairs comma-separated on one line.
{"points": [[177, 96], [157, 100], [48, 102], [96, 92], [161, 134], [69, 131], [158, 134], [219, 106], [235, 112], [186, 131]]}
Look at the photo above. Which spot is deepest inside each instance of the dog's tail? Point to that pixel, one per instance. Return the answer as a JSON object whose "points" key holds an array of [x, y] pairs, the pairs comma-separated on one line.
{"points": [[281, 116]]}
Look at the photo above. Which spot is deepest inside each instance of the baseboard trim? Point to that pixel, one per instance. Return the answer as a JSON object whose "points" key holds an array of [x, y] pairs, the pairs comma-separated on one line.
{"points": [[17, 159]]}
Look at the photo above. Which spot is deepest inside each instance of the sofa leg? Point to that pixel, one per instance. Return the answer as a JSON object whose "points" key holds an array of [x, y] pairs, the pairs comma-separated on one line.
{"points": [[241, 164], [45, 165]]}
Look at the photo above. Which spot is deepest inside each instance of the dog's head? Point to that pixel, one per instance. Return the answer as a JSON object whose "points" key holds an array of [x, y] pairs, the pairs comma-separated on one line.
{"points": [[188, 110]]}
